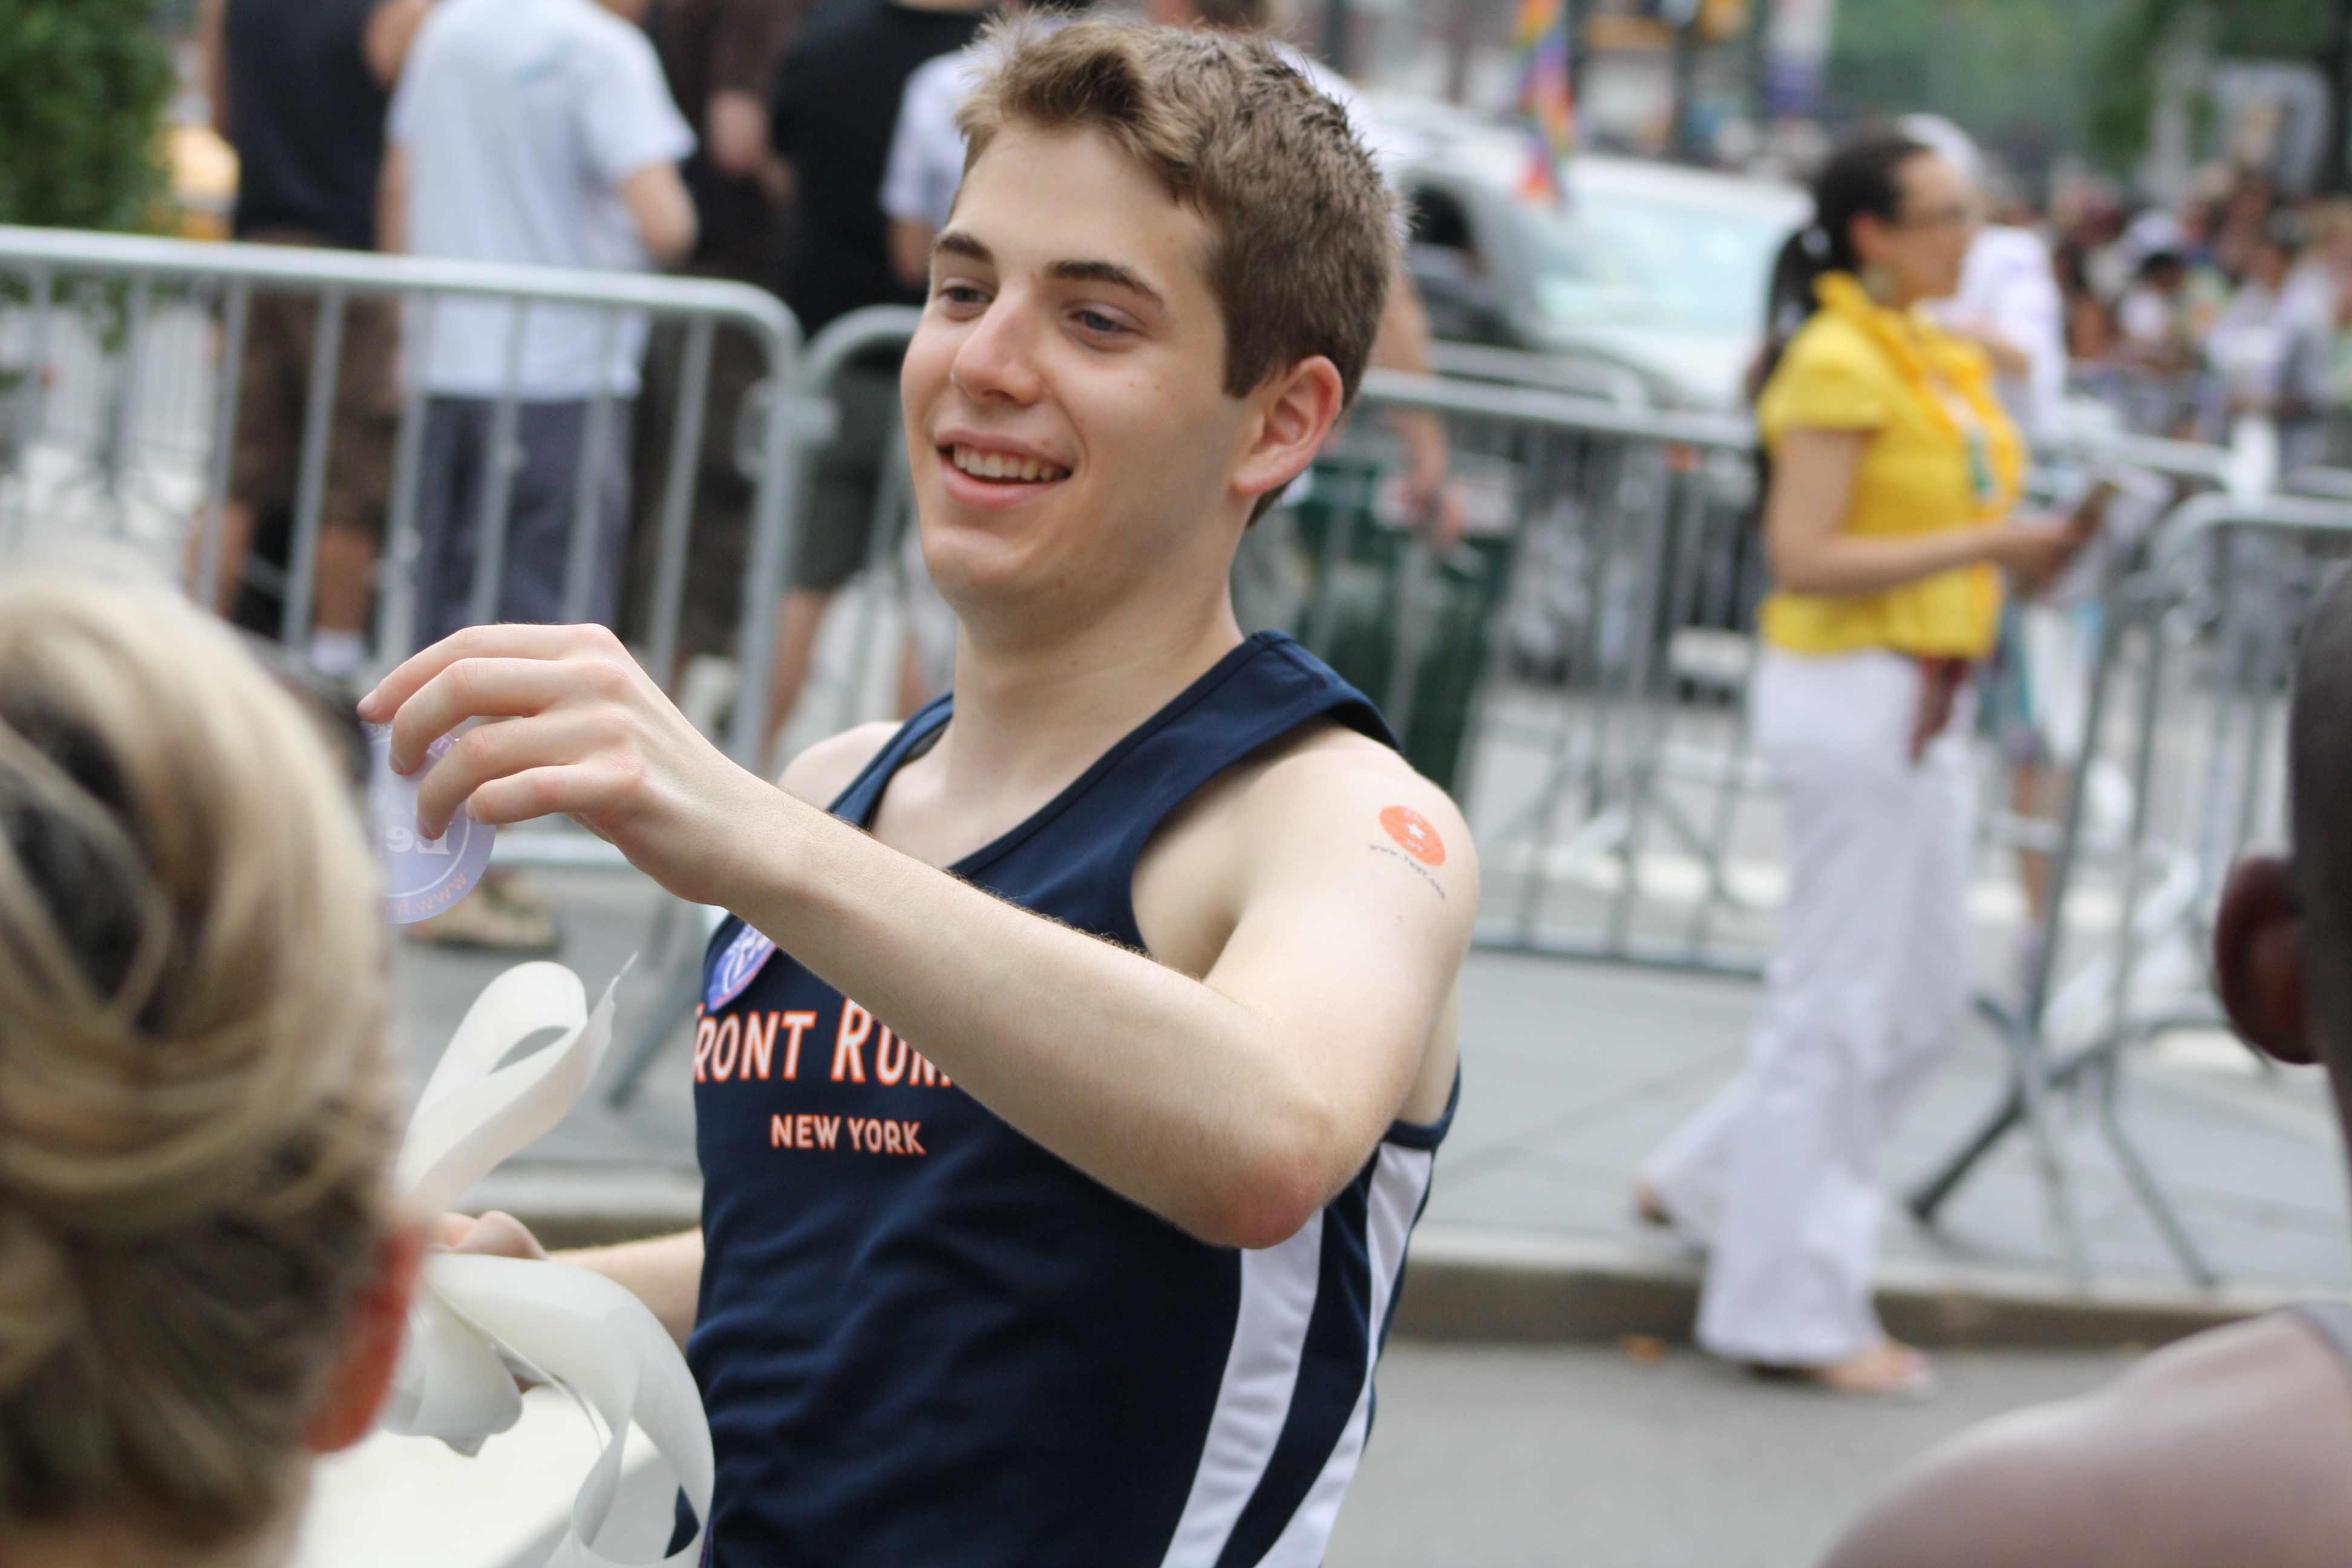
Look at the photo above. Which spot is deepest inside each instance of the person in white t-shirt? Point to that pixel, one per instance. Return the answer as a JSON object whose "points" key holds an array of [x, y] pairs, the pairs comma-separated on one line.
{"points": [[535, 132], [539, 132]]}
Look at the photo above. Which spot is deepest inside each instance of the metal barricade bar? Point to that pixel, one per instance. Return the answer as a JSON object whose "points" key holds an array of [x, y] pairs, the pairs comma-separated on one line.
{"points": [[2167, 866]]}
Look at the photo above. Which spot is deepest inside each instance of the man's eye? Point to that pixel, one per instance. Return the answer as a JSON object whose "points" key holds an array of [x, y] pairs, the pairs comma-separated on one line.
{"points": [[960, 294], [1096, 322]]}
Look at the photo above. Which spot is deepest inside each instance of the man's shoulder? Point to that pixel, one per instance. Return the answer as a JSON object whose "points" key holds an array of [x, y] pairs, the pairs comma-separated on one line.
{"points": [[2234, 1442], [1326, 788], [820, 773]]}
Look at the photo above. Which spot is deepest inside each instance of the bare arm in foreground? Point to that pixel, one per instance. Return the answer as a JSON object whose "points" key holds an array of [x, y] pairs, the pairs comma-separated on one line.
{"points": [[2232, 1446]]}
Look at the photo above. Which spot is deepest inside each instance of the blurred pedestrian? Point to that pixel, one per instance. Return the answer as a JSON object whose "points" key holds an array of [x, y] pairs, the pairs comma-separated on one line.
{"points": [[721, 58], [2008, 302], [300, 88], [834, 106], [207, 1273], [2230, 1447], [1894, 477], [535, 132], [2273, 344]]}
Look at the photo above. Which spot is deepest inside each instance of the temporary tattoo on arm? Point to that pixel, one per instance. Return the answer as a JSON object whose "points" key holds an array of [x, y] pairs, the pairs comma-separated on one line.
{"points": [[1418, 837]]}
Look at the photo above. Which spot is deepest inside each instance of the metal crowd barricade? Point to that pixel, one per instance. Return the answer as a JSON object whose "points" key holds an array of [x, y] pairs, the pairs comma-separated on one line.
{"points": [[679, 930], [122, 359], [2188, 697], [1610, 783], [120, 365], [1604, 764]]}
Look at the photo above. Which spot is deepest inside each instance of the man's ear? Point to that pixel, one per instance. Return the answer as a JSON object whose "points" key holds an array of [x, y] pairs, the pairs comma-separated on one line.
{"points": [[1295, 412], [370, 1347], [2258, 958]]}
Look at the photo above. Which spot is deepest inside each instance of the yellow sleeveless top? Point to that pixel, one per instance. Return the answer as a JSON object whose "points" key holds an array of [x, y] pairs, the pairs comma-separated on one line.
{"points": [[1941, 455]]}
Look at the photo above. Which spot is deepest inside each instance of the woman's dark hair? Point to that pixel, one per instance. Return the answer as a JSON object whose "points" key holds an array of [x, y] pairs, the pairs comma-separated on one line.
{"points": [[1860, 178]]}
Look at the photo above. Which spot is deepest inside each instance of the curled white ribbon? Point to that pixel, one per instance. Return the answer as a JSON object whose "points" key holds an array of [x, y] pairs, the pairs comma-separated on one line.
{"points": [[478, 1320]]}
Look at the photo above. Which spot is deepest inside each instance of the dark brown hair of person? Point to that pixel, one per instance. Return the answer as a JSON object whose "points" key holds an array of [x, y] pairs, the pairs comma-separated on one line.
{"points": [[1305, 234]]}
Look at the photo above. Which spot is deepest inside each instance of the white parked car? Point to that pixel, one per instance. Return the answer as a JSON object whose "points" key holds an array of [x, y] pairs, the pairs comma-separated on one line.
{"points": [[1647, 285]]}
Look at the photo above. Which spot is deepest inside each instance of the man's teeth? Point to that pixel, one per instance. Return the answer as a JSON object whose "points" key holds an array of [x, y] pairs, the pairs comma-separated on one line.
{"points": [[1004, 465]]}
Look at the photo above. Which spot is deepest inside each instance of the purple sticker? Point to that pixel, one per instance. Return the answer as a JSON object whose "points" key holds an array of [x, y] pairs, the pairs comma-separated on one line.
{"points": [[737, 968], [422, 877]]}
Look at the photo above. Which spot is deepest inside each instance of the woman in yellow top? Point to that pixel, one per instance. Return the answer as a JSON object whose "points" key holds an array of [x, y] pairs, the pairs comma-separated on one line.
{"points": [[1888, 524]]}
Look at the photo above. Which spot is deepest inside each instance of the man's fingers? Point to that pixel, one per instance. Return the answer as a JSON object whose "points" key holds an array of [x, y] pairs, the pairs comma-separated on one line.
{"points": [[561, 741], [584, 791], [477, 642], [477, 689], [497, 1235]]}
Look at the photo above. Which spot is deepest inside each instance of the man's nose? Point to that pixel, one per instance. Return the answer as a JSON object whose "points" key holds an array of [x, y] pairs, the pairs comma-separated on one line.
{"points": [[997, 359]]}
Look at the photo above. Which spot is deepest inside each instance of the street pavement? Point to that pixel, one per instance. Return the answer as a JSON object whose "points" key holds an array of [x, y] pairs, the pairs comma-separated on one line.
{"points": [[1482, 1457], [1583, 1456]]}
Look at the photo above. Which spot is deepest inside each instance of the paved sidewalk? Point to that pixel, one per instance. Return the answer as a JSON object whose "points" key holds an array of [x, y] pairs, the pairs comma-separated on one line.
{"points": [[1572, 1071]]}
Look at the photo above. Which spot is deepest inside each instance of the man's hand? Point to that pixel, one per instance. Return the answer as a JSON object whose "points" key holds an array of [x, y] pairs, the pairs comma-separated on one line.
{"points": [[495, 1235], [586, 734]]}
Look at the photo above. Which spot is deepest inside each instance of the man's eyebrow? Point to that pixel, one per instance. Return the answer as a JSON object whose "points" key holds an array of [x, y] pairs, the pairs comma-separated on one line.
{"points": [[956, 242], [1109, 272]]}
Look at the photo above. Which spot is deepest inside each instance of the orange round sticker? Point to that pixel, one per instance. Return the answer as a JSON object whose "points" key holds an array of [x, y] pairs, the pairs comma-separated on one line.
{"points": [[1414, 835]]}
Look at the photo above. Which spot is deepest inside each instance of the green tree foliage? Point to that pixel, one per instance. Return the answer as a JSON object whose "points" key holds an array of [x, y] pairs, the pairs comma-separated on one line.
{"points": [[2131, 47], [2015, 73], [83, 84]]}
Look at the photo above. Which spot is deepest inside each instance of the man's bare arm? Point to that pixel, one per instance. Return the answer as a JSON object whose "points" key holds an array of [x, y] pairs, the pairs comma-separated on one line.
{"points": [[1404, 344], [211, 46], [735, 135], [391, 29], [663, 212], [665, 1272], [391, 201], [2230, 1447], [1234, 1105]]}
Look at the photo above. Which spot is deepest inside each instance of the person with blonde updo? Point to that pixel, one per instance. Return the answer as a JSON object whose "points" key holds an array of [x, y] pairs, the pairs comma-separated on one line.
{"points": [[203, 1274]]}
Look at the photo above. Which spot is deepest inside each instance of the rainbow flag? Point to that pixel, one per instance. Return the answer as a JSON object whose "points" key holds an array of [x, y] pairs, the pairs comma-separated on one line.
{"points": [[1545, 102]]}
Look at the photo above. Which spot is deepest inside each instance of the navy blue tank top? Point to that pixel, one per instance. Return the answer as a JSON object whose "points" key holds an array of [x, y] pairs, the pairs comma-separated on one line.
{"points": [[924, 1339]]}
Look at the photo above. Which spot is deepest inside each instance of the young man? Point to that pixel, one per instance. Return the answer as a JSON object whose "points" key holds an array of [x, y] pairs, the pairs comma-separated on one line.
{"points": [[927, 159], [2232, 1447], [1055, 1203]]}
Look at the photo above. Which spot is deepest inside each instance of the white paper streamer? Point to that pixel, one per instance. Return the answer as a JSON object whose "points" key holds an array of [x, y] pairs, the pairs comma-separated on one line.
{"points": [[477, 1320]]}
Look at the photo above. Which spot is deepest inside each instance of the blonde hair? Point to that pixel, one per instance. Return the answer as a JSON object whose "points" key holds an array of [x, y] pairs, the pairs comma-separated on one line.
{"points": [[195, 1116], [1306, 238]]}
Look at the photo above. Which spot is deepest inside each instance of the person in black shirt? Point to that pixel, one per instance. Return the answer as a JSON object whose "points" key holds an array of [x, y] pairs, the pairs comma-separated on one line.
{"points": [[721, 58], [835, 106], [300, 88]]}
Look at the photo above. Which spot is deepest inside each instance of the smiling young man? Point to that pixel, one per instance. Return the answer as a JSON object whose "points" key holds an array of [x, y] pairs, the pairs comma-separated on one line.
{"points": [[1059, 1167]]}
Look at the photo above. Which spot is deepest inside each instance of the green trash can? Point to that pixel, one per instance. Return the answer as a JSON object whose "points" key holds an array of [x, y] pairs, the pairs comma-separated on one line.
{"points": [[1407, 629]]}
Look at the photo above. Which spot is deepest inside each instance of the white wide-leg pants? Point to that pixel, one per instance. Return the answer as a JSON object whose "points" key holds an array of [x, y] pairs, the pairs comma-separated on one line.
{"points": [[1778, 1172]]}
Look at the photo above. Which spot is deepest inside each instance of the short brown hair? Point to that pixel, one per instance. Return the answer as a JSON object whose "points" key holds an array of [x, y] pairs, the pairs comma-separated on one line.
{"points": [[1305, 246]]}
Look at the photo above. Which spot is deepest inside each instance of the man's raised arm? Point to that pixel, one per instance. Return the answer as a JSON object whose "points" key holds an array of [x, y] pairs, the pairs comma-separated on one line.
{"points": [[1235, 1105]]}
